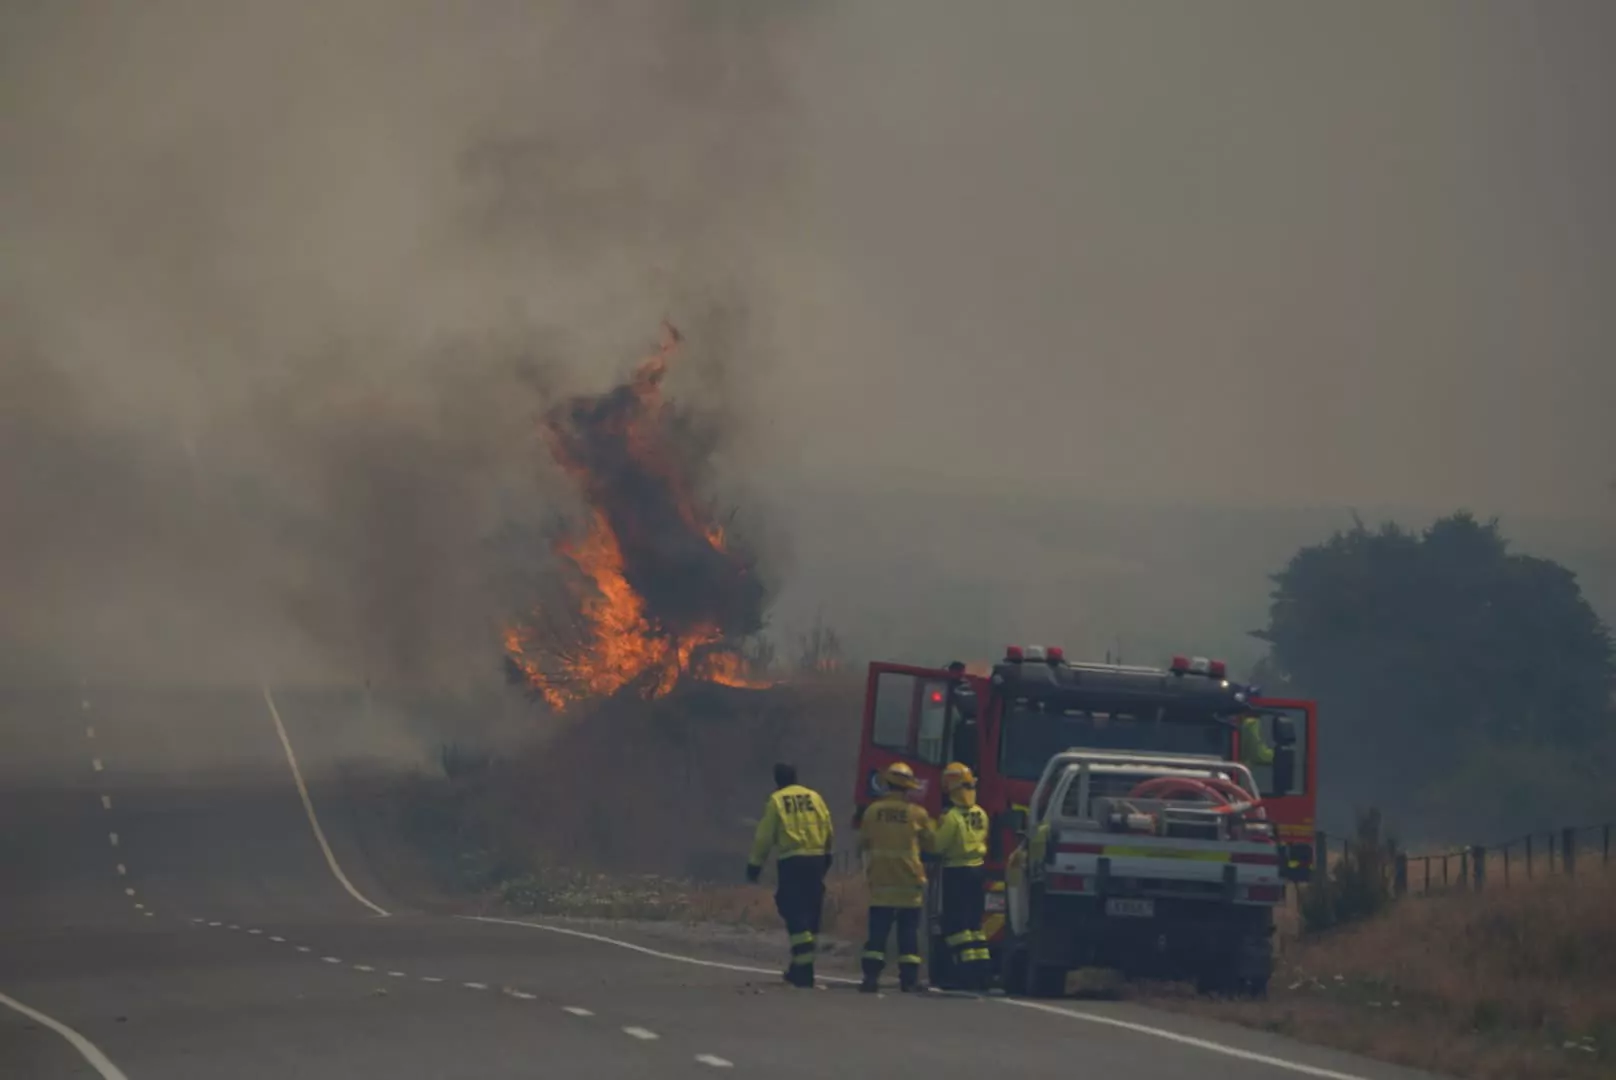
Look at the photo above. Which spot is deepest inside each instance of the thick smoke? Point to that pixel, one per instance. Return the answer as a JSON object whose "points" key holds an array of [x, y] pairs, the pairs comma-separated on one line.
{"points": [[640, 462], [287, 286]]}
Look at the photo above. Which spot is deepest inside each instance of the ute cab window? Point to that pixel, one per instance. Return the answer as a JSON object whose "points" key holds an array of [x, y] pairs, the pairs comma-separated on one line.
{"points": [[1033, 733]]}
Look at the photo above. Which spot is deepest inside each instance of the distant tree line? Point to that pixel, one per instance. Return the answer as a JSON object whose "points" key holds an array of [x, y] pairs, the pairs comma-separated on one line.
{"points": [[1461, 686]]}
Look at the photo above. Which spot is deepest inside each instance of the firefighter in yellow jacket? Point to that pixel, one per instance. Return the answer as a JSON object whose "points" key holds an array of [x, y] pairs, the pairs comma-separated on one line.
{"points": [[893, 834], [797, 823], [962, 847]]}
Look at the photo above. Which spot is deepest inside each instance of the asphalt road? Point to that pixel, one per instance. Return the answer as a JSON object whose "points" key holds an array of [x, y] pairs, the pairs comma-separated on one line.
{"points": [[169, 910]]}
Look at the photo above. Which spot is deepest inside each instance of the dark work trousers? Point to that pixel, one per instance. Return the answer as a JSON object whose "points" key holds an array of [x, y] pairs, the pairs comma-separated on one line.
{"points": [[800, 898], [875, 948], [963, 900]]}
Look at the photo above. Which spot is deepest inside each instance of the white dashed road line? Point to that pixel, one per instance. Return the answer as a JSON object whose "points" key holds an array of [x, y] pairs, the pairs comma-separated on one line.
{"points": [[521, 995], [277, 940], [576, 1011], [363, 967], [431, 978], [89, 732], [95, 763], [300, 948], [106, 802], [308, 807], [87, 1049], [123, 871], [475, 985], [640, 1033], [331, 959], [112, 838], [715, 1061], [1056, 1010]]}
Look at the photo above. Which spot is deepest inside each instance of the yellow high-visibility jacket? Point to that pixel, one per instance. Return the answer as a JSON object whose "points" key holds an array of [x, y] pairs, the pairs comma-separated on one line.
{"points": [[892, 835], [796, 821], [962, 836], [1253, 751]]}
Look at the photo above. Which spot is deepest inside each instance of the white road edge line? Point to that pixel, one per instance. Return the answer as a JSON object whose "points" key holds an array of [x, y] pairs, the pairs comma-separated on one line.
{"points": [[715, 1061], [641, 1033], [87, 1049], [1069, 1013], [1186, 1040], [308, 806]]}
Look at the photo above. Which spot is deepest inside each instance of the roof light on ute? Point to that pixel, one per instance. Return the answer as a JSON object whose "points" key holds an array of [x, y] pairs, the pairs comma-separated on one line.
{"points": [[1201, 666], [1035, 652], [1218, 669], [1013, 653], [1180, 665], [1056, 654]]}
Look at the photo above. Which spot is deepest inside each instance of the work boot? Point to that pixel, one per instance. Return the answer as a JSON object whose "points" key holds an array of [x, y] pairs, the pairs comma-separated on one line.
{"points": [[909, 979], [872, 976], [801, 975]]}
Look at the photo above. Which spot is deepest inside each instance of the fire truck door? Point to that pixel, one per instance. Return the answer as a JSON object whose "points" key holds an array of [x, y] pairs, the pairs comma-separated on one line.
{"points": [[907, 719]]}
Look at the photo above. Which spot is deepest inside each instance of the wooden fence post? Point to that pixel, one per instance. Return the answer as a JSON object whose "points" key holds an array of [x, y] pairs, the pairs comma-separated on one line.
{"points": [[1400, 874], [1426, 859], [1606, 844], [1464, 868], [1529, 857], [1478, 866], [1551, 852], [1568, 850], [1506, 866]]}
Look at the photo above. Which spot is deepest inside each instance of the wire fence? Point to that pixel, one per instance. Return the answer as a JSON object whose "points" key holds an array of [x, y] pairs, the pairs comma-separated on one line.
{"points": [[1563, 852]]}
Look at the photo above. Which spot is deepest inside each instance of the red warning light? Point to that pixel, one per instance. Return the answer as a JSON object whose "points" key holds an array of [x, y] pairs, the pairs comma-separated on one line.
{"points": [[936, 697]]}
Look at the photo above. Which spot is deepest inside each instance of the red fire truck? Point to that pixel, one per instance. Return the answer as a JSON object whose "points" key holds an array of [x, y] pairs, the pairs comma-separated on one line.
{"points": [[1007, 722]]}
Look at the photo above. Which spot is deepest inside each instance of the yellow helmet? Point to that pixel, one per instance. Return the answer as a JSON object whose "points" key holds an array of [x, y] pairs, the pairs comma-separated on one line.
{"points": [[900, 777], [958, 775]]}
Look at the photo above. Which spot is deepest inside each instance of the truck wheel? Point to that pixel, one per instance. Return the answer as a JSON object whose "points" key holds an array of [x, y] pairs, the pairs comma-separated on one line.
{"points": [[1255, 988], [1015, 969], [1048, 982]]}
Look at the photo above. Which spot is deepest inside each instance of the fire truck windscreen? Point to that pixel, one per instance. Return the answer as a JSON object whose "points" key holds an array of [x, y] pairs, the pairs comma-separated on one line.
{"points": [[1030, 735]]}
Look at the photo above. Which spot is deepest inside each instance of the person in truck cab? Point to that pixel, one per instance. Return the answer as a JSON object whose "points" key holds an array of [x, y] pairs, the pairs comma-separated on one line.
{"points": [[893, 835], [1253, 750], [797, 822], [962, 847]]}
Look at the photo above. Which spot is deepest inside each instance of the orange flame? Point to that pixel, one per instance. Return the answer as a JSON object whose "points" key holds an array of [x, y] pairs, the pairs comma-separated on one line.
{"points": [[619, 644]]}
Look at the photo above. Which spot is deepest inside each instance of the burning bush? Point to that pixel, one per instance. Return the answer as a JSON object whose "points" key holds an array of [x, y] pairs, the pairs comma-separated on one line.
{"points": [[654, 591]]}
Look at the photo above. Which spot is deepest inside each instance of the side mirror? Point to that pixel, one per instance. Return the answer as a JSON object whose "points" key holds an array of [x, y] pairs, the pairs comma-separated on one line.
{"points": [[1284, 770], [1284, 731]]}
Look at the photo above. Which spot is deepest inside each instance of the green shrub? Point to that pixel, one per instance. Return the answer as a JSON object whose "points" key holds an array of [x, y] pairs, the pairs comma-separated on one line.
{"points": [[1360, 883]]}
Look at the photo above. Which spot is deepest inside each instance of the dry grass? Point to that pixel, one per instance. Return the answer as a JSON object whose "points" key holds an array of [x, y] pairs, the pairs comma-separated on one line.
{"points": [[1516, 984]]}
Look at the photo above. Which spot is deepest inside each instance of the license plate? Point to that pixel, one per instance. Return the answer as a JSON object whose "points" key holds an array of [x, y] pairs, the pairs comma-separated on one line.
{"points": [[1135, 909]]}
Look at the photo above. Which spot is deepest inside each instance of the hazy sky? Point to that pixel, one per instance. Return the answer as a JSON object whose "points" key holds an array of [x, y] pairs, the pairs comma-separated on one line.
{"points": [[1219, 251], [1262, 251]]}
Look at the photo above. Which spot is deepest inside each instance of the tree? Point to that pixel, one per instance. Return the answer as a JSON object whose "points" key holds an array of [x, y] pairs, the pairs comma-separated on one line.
{"points": [[1427, 649]]}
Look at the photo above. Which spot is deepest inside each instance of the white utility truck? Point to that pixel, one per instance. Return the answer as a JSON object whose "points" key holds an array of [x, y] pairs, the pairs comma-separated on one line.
{"points": [[1155, 864]]}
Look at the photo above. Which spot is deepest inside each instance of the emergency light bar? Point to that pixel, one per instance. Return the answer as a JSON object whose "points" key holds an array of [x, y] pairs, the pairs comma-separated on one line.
{"points": [[1015, 654], [1200, 665]]}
